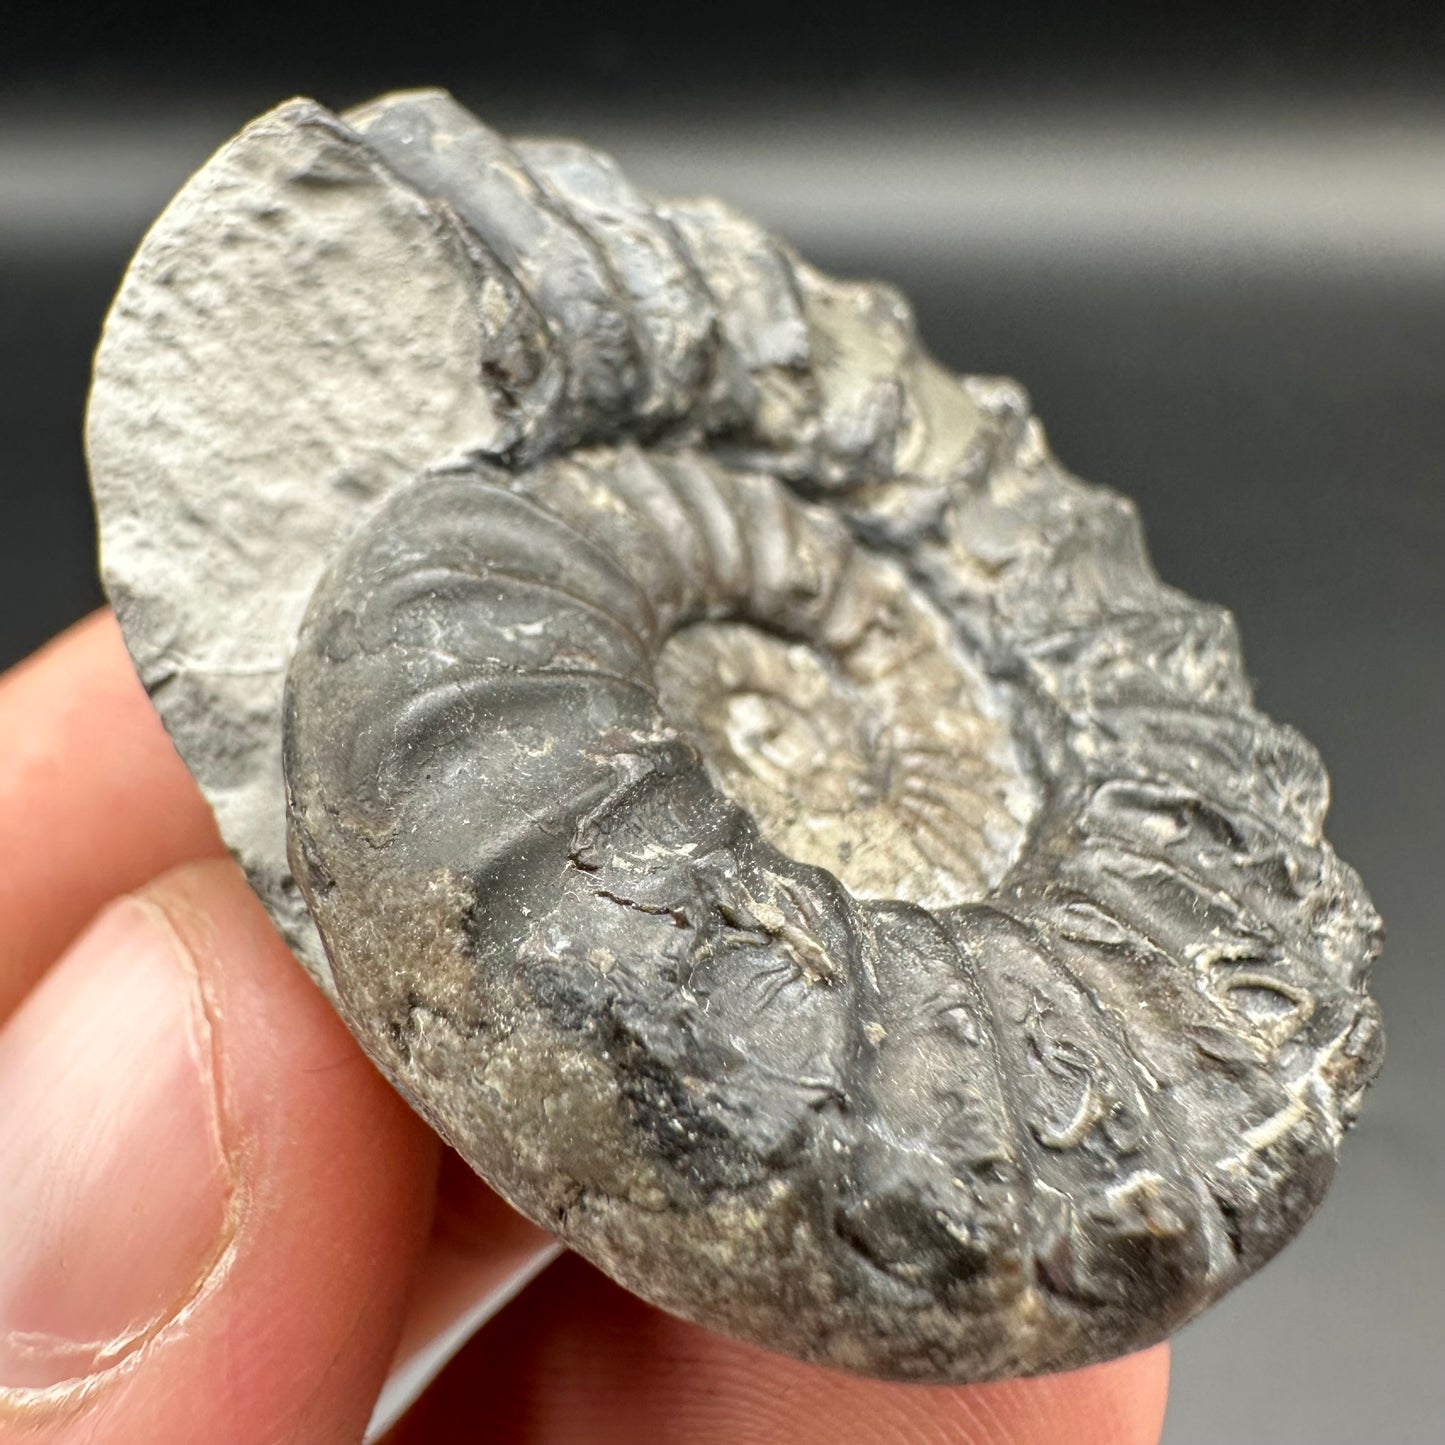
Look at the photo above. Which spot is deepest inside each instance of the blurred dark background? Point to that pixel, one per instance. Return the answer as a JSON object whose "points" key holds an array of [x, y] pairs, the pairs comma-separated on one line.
{"points": [[1209, 239]]}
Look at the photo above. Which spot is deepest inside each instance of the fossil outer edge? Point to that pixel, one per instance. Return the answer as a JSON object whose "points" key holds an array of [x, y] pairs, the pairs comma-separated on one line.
{"points": [[373, 387]]}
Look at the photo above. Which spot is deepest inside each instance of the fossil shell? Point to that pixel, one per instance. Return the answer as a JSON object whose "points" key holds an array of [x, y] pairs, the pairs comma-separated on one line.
{"points": [[763, 812]]}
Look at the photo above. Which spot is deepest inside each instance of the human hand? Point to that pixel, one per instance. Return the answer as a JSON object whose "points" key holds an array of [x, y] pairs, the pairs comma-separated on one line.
{"points": [[217, 1221]]}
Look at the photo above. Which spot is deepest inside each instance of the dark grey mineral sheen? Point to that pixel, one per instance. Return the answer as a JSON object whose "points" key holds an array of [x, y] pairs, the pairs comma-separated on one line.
{"points": [[760, 809]]}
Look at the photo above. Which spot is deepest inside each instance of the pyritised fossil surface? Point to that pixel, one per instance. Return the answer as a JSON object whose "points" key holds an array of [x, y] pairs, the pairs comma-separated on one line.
{"points": [[754, 803]]}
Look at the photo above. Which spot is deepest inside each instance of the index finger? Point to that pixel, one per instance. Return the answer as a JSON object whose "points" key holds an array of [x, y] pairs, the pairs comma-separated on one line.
{"points": [[94, 801]]}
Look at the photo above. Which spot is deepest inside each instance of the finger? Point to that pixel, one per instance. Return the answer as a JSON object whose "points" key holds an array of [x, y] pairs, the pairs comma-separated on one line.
{"points": [[93, 799], [576, 1358], [480, 1256], [211, 1203], [93, 803]]}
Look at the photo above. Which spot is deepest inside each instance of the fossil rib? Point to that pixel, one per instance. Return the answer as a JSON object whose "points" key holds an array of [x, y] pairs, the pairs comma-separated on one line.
{"points": [[758, 807]]}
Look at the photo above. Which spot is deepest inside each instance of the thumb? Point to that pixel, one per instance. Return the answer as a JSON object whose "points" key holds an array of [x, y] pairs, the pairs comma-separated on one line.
{"points": [[210, 1202]]}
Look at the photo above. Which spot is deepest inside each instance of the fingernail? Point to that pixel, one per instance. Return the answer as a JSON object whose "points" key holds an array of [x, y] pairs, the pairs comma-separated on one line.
{"points": [[115, 1187]]}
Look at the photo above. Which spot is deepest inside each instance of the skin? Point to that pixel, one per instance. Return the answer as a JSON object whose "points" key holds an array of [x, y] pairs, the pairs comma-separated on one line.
{"points": [[352, 1218]]}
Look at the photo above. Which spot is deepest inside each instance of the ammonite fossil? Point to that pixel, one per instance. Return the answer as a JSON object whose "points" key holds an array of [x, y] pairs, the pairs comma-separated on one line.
{"points": [[763, 812]]}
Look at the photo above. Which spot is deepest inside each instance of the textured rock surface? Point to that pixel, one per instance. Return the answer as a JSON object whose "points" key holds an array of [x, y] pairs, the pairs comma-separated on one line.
{"points": [[760, 808]]}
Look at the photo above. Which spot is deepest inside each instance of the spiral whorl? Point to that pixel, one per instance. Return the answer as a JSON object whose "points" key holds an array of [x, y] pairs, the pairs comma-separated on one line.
{"points": [[764, 812]]}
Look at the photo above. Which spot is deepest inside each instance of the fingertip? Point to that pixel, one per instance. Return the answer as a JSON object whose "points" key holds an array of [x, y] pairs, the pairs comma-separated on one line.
{"points": [[327, 1180], [1119, 1402]]}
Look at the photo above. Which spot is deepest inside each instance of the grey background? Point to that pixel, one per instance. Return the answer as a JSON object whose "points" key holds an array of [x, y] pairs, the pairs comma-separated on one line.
{"points": [[1225, 289]]}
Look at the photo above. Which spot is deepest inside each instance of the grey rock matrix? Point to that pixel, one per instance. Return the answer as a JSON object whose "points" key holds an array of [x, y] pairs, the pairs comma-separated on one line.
{"points": [[756, 805]]}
